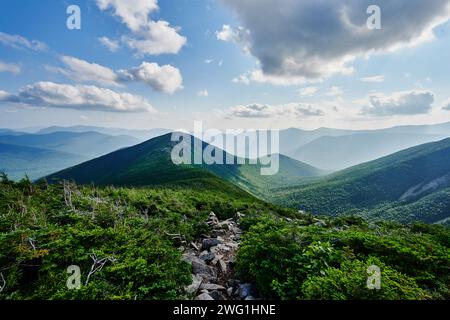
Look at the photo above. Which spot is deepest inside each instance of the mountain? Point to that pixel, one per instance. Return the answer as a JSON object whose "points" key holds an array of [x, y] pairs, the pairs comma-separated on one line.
{"points": [[16, 161], [88, 144], [340, 152], [150, 163], [406, 186], [142, 135]]}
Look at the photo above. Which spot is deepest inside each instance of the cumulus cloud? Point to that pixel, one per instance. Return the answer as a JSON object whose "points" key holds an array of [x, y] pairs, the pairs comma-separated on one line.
{"points": [[257, 110], [203, 93], [334, 92], [238, 35], [446, 105], [161, 78], [399, 103], [80, 97], [111, 45], [147, 37], [313, 39], [9, 67], [308, 91], [19, 42], [164, 78], [374, 79], [83, 71]]}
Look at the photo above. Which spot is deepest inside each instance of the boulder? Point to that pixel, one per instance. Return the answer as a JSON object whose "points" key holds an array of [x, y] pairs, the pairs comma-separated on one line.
{"points": [[204, 296], [208, 243]]}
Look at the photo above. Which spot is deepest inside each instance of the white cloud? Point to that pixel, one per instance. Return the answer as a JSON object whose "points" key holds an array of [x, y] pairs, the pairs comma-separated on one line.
{"points": [[239, 36], [308, 91], [148, 37], [83, 71], [203, 93], [19, 42], [399, 103], [334, 92], [164, 78], [446, 105], [289, 44], [374, 79], [80, 97], [161, 78], [112, 45], [9, 67], [257, 110]]}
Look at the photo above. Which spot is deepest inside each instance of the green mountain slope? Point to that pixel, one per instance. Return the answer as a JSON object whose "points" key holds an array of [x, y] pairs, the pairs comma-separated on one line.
{"points": [[16, 161], [337, 153], [149, 163], [408, 178]]}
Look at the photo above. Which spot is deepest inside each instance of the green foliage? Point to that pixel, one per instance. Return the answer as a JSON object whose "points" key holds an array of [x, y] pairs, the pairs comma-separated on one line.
{"points": [[297, 260], [408, 186], [46, 228]]}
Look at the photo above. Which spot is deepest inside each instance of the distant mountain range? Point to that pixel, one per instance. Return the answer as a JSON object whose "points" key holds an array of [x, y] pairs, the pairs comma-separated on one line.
{"points": [[410, 185], [141, 135], [18, 161]]}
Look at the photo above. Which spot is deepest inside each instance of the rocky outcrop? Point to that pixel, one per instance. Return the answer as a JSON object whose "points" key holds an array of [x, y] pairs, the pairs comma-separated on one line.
{"points": [[212, 260]]}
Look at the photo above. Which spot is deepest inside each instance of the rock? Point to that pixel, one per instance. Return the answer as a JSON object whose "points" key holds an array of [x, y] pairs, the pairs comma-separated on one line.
{"points": [[216, 295], [199, 266], [245, 290], [250, 298], [208, 243], [204, 296], [207, 256], [196, 282], [223, 266], [212, 219], [211, 286], [230, 291], [320, 223]]}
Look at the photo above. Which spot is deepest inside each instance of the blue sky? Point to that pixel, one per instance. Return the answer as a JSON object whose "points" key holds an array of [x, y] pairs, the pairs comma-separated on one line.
{"points": [[232, 64]]}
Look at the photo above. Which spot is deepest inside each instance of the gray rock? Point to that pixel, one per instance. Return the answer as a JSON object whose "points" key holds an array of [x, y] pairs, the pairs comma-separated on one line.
{"points": [[204, 296], [208, 243], [196, 282], [207, 256], [216, 295], [320, 223], [199, 266], [211, 286]]}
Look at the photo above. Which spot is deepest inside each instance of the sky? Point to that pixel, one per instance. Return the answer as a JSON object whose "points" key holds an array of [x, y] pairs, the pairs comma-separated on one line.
{"points": [[229, 63]]}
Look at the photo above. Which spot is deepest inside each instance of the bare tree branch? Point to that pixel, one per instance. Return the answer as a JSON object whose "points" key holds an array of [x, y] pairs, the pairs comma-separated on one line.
{"points": [[3, 285], [97, 265]]}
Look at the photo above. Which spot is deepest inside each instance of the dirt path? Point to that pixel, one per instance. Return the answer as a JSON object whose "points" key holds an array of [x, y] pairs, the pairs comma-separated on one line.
{"points": [[212, 259]]}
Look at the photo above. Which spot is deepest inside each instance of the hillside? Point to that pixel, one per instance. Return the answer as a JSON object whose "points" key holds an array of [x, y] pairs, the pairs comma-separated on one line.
{"points": [[337, 153], [149, 163], [405, 178], [16, 161], [89, 144]]}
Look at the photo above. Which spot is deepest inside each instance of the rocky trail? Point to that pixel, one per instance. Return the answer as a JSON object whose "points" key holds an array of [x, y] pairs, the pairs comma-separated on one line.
{"points": [[212, 258]]}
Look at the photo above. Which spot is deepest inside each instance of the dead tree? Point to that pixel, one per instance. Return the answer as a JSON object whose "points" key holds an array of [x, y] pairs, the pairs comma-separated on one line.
{"points": [[3, 284], [97, 264]]}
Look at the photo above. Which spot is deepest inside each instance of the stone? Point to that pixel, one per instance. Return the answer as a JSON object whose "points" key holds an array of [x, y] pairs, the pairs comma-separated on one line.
{"points": [[204, 296], [216, 295], [207, 256], [196, 282], [211, 286], [208, 243], [320, 223], [223, 266]]}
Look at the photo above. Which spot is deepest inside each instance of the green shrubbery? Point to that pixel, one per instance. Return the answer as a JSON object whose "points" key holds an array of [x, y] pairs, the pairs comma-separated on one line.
{"points": [[46, 228], [296, 260]]}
